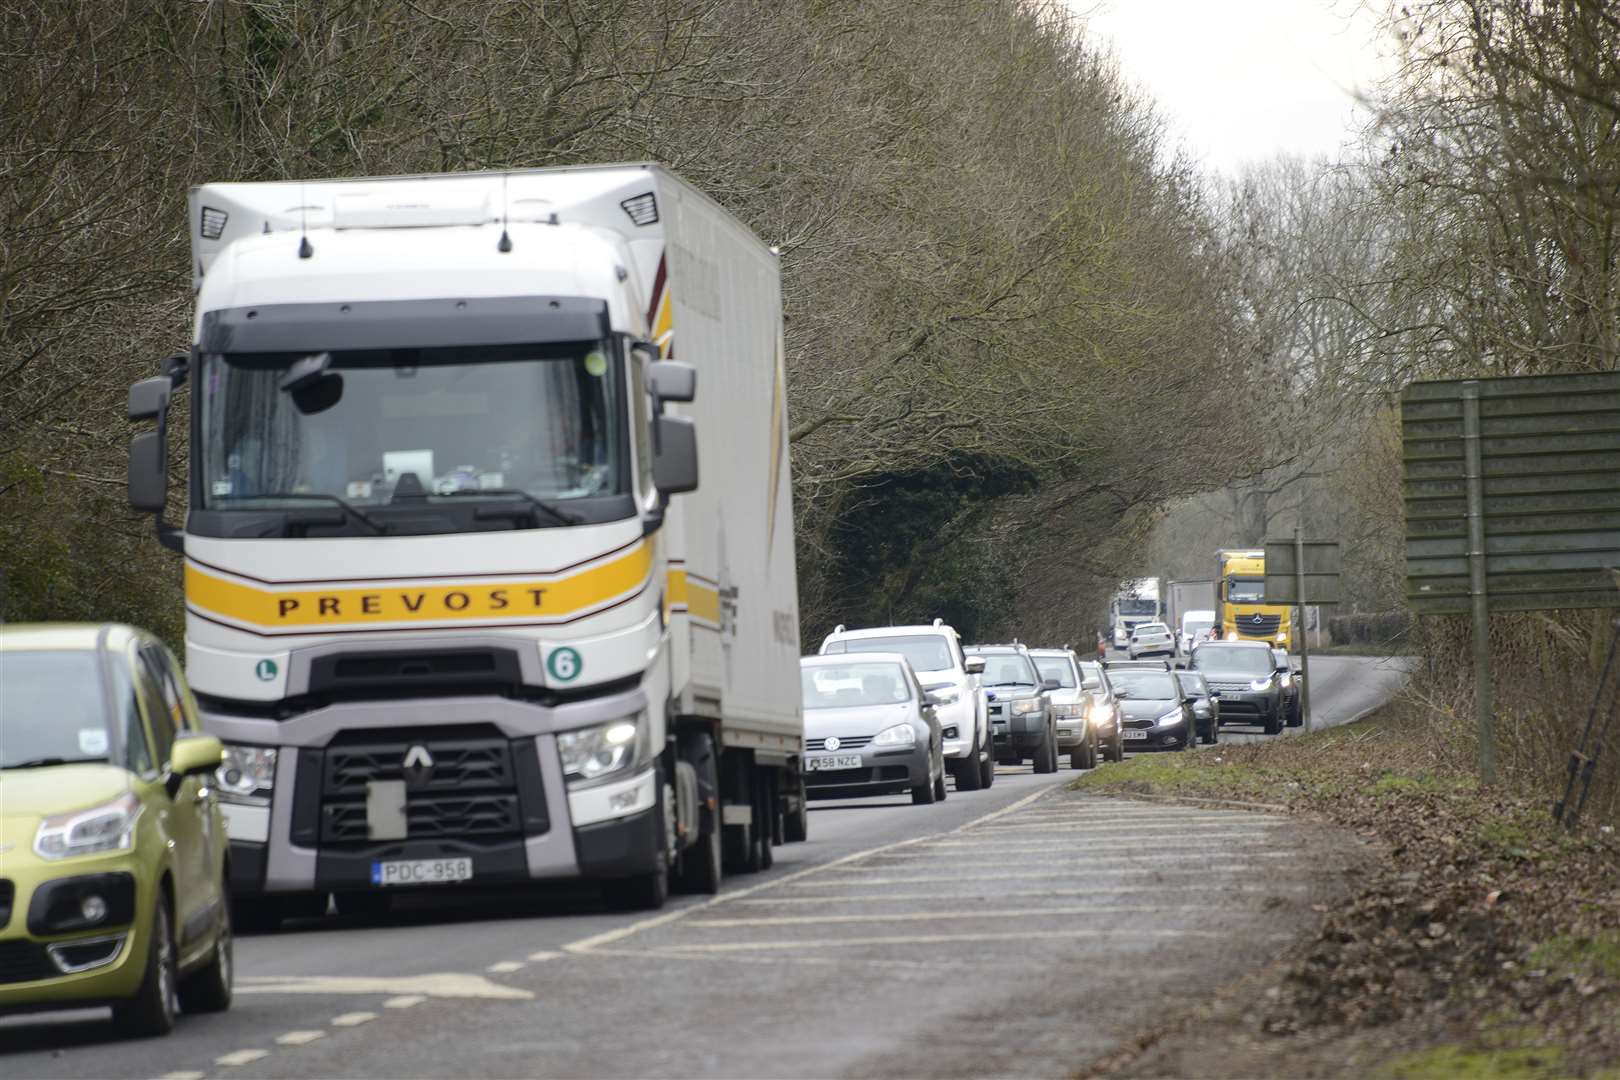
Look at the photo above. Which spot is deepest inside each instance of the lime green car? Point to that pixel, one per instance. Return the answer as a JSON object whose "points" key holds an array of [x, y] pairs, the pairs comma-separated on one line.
{"points": [[112, 846]]}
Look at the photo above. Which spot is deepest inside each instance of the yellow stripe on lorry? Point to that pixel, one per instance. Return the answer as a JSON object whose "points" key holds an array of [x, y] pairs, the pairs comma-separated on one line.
{"points": [[542, 598]]}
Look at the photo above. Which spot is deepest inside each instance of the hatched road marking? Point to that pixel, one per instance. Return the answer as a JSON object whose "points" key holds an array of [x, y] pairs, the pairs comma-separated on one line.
{"points": [[935, 916], [444, 985]]}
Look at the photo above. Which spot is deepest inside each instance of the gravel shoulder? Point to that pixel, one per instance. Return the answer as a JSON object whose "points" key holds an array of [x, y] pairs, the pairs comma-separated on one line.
{"points": [[1481, 941]]}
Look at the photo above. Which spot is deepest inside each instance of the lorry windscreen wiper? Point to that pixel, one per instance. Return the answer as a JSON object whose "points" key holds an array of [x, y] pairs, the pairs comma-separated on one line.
{"points": [[317, 496], [556, 513]]}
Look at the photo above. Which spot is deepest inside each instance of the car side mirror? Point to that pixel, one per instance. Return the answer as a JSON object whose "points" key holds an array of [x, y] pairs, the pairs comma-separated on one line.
{"points": [[1214, 695], [193, 755], [1051, 684], [675, 461], [975, 665]]}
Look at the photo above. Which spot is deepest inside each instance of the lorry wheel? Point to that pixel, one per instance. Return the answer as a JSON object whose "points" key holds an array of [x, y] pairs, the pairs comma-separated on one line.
{"points": [[796, 822], [644, 892], [700, 871], [364, 905], [152, 1010], [765, 827]]}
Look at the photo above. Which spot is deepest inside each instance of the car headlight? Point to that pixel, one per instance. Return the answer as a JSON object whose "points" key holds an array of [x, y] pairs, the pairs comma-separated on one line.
{"points": [[247, 774], [1260, 685], [1286, 680], [107, 827], [594, 752], [1101, 716], [1026, 707], [1068, 712], [899, 735], [1169, 718]]}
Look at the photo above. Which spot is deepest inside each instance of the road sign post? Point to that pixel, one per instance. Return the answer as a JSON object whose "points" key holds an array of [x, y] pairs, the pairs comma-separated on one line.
{"points": [[1512, 493], [1304, 572]]}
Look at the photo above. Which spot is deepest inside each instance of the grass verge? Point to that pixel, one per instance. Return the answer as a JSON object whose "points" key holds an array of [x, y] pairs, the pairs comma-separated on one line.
{"points": [[1487, 944]]}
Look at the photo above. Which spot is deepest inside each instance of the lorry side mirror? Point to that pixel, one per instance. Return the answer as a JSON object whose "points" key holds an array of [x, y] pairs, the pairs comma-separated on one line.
{"points": [[149, 398], [672, 381], [675, 462], [148, 472]]}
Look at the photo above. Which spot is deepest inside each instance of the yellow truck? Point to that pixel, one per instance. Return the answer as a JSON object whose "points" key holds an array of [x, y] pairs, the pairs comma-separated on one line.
{"points": [[1241, 612]]}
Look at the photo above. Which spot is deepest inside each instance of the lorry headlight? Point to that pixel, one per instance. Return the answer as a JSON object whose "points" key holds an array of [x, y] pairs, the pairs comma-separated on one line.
{"points": [[107, 827], [1260, 686], [1026, 707], [594, 752], [899, 735], [246, 775]]}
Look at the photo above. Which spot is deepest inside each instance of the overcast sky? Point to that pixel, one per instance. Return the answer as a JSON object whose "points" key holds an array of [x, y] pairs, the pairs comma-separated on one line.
{"points": [[1243, 80]]}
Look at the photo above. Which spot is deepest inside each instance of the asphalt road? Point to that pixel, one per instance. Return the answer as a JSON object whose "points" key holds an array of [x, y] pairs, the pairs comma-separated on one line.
{"points": [[1016, 931]]}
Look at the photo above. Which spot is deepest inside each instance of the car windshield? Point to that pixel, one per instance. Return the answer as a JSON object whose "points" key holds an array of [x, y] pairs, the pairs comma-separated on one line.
{"points": [[1056, 667], [1150, 685], [1149, 629], [925, 652], [1239, 660], [1007, 669], [1196, 627], [1091, 671], [1246, 590], [1138, 605], [836, 686], [381, 428], [1193, 683], [51, 708]]}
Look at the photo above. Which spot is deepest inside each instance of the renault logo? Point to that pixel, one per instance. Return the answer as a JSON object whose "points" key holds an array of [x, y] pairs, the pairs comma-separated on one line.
{"points": [[833, 743], [418, 765]]}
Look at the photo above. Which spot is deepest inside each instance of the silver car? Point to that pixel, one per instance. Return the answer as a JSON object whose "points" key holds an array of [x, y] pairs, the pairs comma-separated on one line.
{"points": [[1151, 639], [869, 729]]}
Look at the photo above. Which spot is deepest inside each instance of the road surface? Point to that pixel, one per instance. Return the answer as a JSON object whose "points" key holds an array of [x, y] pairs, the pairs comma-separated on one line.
{"points": [[1016, 931]]}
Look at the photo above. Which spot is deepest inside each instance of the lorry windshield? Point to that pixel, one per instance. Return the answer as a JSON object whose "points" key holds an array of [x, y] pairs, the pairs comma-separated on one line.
{"points": [[1246, 590], [1137, 605], [420, 426]]}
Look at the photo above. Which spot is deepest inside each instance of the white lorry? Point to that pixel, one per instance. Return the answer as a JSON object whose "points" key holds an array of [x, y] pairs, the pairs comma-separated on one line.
{"points": [[440, 602], [1137, 601]]}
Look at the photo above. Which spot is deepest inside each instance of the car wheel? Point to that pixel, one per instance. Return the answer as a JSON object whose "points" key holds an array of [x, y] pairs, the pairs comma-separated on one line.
{"points": [[987, 764], [1046, 756], [939, 783], [1274, 722], [152, 1010], [1119, 746], [969, 771], [209, 989], [923, 793]]}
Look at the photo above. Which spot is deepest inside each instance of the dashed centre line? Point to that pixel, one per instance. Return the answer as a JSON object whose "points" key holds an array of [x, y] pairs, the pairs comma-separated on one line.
{"points": [[353, 1019], [240, 1057], [299, 1038]]}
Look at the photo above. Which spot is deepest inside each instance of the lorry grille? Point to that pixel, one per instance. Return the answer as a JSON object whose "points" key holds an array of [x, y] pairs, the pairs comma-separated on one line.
{"points": [[1265, 628], [845, 742], [480, 785], [428, 818], [24, 961]]}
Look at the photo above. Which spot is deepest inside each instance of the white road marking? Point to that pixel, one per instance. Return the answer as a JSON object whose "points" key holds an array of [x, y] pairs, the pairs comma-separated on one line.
{"points": [[935, 916], [183, 1074], [1085, 842], [608, 937], [543, 955], [1157, 889], [353, 1019], [1082, 871], [505, 967], [299, 1038], [443, 985], [405, 1001], [240, 1057], [946, 939]]}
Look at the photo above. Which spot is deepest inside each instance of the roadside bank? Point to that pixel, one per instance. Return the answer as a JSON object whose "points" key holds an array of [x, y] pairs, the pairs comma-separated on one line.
{"points": [[1485, 943]]}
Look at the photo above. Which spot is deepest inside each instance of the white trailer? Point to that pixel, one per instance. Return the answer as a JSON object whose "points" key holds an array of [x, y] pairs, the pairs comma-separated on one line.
{"points": [[447, 600], [1188, 596]]}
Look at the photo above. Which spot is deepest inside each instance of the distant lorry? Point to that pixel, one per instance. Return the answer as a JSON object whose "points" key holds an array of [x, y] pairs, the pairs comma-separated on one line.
{"points": [[456, 600], [1137, 601], [1241, 612], [1186, 597]]}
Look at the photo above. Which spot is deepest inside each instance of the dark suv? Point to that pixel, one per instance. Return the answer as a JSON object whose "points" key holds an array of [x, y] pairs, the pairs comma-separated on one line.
{"points": [[1246, 675], [1020, 709]]}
